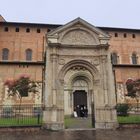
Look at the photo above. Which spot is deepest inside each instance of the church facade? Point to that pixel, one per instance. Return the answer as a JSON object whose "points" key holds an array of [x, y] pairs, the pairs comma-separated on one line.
{"points": [[73, 65]]}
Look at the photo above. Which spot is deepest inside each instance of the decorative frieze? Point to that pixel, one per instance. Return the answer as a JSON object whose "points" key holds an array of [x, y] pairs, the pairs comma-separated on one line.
{"points": [[78, 68]]}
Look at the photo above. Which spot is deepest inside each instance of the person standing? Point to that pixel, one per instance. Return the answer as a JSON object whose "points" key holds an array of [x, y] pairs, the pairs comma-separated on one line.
{"points": [[85, 111], [75, 113], [78, 110]]}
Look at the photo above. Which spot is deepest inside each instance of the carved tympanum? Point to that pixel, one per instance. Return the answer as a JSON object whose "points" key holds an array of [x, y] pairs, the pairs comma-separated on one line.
{"points": [[79, 37]]}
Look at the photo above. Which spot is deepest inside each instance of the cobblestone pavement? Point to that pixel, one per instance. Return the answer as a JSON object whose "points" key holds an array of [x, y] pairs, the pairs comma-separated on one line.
{"points": [[131, 134]]}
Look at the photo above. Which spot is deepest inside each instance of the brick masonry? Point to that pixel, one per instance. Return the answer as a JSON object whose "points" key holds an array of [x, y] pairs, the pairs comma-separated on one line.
{"points": [[18, 42]]}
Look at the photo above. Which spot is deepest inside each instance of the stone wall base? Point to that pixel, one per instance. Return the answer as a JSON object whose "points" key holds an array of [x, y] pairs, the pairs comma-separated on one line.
{"points": [[106, 125], [53, 118], [53, 126]]}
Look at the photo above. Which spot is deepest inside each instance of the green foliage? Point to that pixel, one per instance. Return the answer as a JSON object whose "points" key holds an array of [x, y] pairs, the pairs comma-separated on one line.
{"points": [[129, 119], [21, 86], [133, 86], [122, 109], [8, 121]]}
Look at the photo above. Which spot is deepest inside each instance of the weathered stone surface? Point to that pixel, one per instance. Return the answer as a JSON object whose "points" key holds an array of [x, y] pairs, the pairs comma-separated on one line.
{"points": [[74, 62]]}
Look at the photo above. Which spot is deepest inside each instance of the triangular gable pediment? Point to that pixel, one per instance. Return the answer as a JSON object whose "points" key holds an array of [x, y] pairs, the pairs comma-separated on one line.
{"points": [[77, 32]]}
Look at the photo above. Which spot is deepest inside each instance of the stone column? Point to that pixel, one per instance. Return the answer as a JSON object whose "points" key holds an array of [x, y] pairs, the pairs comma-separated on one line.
{"points": [[54, 66], [53, 116], [106, 113], [104, 72]]}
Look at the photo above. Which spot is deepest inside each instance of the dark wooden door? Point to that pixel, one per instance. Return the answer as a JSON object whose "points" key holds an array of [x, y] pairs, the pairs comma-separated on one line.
{"points": [[80, 98]]}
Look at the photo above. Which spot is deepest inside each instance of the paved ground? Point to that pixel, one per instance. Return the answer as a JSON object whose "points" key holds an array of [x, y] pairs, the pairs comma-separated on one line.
{"points": [[73, 135], [77, 123]]}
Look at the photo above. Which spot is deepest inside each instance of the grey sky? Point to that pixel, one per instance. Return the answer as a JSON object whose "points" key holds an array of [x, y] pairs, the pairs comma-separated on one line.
{"points": [[108, 13]]}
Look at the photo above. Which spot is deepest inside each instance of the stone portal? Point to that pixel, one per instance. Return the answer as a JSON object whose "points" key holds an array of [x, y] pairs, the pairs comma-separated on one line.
{"points": [[79, 71]]}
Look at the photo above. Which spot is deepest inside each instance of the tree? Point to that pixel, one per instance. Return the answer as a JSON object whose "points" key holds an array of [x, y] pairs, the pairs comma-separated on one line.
{"points": [[21, 86], [133, 89]]}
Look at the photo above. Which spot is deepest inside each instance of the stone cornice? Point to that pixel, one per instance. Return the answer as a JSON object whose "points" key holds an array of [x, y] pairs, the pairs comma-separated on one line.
{"points": [[79, 46], [126, 65]]}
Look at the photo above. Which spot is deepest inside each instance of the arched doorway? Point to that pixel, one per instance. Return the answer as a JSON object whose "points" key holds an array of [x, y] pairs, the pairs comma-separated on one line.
{"points": [[80, 91], [78, 99], [80, 102], [78, 75]]}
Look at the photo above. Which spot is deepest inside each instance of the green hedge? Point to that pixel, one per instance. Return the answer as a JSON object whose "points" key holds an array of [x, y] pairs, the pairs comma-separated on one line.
{"points": [[122, 109], [129, 119]]}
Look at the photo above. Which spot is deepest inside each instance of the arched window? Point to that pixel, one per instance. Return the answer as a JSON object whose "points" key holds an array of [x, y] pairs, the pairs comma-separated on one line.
{"points": [[28, 54], [134, 58], [114, 58], [5, 54]]}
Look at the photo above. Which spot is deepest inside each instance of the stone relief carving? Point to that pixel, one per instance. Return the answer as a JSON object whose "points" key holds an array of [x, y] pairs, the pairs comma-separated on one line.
{"points": [[78, 68], [78, 37], [61, 62], [104, 59], [95, 61]]}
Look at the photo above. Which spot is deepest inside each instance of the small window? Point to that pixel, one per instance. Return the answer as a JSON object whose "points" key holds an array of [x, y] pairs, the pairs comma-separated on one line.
{"points": [[134, 58], [17, 29], [133, 35], [114, 58], [27, 30], [6, 29], [49, 30], [28, 54], [116, 34], [125, 35], [38, 30], [5, 54]]}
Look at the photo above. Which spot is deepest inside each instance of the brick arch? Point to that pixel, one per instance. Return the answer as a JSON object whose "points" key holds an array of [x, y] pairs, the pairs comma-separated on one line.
{"points": [[115, 55], [5, 54], [28, 54]]}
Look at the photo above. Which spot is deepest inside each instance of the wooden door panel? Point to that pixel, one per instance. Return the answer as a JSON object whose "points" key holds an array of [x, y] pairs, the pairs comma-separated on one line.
{"points": [[80, 98]]}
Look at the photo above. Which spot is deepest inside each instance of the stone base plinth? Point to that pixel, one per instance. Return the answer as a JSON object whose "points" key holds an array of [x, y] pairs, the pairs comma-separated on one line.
{"points": [[106, 125], [53, 118], [53, 126]]}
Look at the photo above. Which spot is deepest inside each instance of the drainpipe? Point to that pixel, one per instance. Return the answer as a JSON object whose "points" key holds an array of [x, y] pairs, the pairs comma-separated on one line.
{"points": [[43, 70], [115, 84], [113, 69]]}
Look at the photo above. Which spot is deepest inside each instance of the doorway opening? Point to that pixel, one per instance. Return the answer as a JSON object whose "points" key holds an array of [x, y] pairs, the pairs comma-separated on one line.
{"points": [[80, 103]]}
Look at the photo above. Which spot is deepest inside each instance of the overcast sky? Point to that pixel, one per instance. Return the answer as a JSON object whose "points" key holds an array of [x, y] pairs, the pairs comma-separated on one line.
{"points": [[106, 13]]}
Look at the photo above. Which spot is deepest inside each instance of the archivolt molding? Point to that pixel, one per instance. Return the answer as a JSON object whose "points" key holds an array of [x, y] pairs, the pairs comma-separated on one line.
{"points": [[81, 76], [79, 63]]}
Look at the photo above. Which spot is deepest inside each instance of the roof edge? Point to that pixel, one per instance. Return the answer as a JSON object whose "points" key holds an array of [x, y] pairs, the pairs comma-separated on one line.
{"points": [[2, 19], [4, 22]]}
